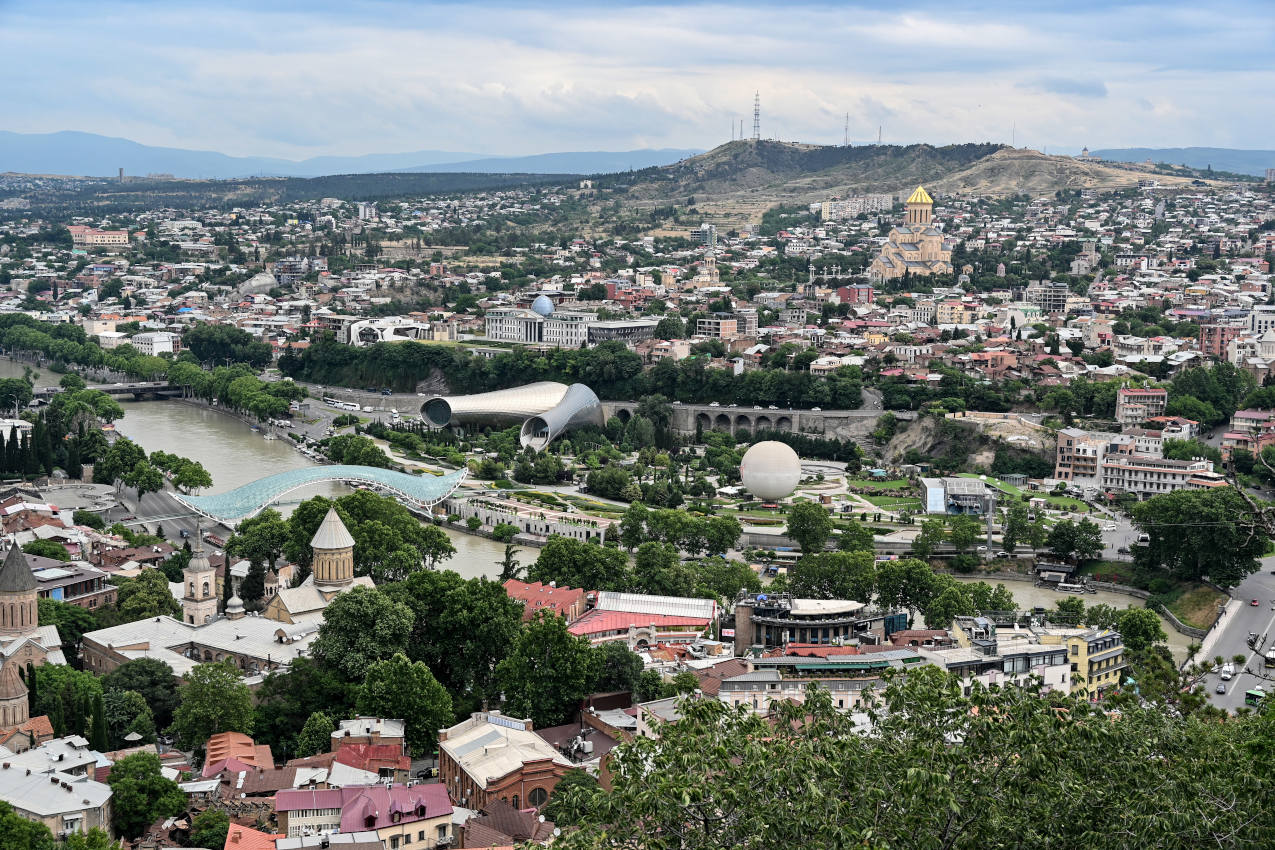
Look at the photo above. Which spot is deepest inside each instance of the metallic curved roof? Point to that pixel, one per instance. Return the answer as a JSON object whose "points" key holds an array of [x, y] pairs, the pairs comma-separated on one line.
{"points": [[514, 404], [250, 499], [579, 406]]}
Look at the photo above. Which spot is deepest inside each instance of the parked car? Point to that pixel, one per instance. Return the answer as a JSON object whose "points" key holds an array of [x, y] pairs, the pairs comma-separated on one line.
{"points": [[1003, 554], [386, 392]]}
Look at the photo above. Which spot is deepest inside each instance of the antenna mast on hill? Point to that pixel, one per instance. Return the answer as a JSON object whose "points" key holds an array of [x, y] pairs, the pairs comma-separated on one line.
{"points": [[846, 142], [878, 134], [756, 115]]}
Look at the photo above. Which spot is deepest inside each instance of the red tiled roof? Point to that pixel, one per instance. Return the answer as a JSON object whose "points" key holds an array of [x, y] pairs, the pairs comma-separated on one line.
{"points": [[535, 596], [600, 622], [240, 837]]}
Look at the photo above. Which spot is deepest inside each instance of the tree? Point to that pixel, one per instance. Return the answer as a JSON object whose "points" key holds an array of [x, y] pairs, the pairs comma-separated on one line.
{"points": [[1071, 610], [932, 533], [510, 568], [209, 828], [315, 736], [359, 628], [855, 538], [127, 712], [47, 549], [151, 678], [935, 775], [140, 795], [398, 687], [94, 839], [146, 596], [950, 601], [67, 696], [547, 673], [260, 539], [1200, 533], [1140, 628], [657, 570], [809, 526], [1089, 543], [1062, 539], [444, 605], [72, 622], [144, 478], [650, 685], [20, 833], [214, 699], [906, 583], [1016, 526], [287, 698], [577, 563], [963, 532], [834, 575], [97, 735], [119, 461], [576, 792], [615, 668]]}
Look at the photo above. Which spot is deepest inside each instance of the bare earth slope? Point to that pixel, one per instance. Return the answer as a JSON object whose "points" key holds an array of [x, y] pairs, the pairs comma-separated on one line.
{"points": [[752, 175]]}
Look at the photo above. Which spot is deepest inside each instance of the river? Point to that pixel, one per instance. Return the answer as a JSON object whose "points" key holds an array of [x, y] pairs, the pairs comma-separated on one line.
{"points": [[234, 455]]}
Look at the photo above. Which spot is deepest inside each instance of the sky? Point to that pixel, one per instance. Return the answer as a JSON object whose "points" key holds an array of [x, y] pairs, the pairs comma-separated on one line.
{"points": [[293, 79]]}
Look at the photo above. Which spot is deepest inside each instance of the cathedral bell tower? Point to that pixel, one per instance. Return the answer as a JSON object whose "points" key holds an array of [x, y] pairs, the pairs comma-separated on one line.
{"points": [[920, 208], [199, 605]]}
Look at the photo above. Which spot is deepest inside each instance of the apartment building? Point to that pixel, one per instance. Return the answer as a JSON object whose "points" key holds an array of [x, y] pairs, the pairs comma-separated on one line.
{"points": [[90, 237], [155, 343], [718, 326], [1147, 476], [1096, 657], [1215, 338], [1135, 405], [64, 802]]}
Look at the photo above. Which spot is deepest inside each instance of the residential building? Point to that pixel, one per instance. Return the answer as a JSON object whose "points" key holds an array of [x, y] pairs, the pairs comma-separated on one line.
{"points": [[63, 802], [155, 343], [1215, 338], [91, 237], [566, 602], [1096, 657], [718, 326], [493, 757], [1135, 405], [1147, 476], [402, 816], [74, 583]]}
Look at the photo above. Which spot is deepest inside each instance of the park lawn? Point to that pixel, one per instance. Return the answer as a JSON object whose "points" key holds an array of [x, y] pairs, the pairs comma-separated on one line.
{"points": [[897, 484], [896, 502], [1196, 605]]}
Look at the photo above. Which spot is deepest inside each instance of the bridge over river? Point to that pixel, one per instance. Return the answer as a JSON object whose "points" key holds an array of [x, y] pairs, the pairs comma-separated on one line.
{"points": [[841, 424]]}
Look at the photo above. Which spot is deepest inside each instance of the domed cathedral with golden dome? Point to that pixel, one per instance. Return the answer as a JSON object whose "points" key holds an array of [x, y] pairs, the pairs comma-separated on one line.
{"points": [[916, 246]]}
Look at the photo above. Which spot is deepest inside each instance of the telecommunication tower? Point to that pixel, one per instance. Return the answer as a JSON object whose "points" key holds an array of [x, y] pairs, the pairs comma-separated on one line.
{"points": [[756, 115], [846, 141]]}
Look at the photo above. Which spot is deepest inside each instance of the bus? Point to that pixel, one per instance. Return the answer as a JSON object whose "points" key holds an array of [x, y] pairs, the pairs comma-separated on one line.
{"points": [[329, 401], [1254, 697]]}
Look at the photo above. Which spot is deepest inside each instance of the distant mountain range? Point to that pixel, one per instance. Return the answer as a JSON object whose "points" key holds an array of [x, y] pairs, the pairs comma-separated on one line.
{"points": [[91, 155], [1233, 160]]}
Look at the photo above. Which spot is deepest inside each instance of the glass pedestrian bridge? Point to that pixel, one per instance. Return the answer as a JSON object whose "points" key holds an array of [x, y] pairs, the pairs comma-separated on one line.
{"points": [[250, 499]]}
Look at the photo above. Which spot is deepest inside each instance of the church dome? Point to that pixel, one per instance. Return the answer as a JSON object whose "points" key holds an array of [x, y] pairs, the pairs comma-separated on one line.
{"points": [[920, 196], [234, 607], [15, 574], [543, 305], [11, 687]]}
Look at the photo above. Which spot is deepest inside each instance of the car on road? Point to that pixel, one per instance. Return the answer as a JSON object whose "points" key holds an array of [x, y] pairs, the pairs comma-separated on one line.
{"points": [[1123, 550], [1111, 526], [713, 404], [1228, 670], [756, 407], [385, 392], [1004, 554], [816, 408], [1221, 687], [1253, 603], [773, 407]]}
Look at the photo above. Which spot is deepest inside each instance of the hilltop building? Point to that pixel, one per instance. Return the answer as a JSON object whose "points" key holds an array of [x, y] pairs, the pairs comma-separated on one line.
{"points": [[914, 247]]}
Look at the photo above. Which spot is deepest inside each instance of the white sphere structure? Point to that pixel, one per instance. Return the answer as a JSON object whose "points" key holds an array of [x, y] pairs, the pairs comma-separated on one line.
{"points": [[770, 470], [543, 305]]}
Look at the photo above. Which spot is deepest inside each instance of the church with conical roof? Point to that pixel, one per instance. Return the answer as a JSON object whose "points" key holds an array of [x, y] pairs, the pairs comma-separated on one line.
{"points": [[23, 640], [914, 247], [332, 573]]}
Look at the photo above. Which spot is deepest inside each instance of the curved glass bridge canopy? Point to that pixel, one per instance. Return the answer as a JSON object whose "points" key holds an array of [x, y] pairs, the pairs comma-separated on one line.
{"points": [[249, 500]]}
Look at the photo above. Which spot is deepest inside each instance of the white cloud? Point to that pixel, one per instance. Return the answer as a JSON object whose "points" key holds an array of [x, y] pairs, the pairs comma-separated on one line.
{"points": [[382, 77]]}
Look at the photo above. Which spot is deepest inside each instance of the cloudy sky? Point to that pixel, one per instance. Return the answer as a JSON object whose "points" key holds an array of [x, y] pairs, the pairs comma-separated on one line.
{"points": [[297, 79]]}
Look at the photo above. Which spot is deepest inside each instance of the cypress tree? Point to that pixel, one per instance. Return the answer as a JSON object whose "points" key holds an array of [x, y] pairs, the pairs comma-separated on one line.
{"points": [[98, 738], [74, 469], [4, 459], [12, 451], [32, 699], [72, 710], [30, 463]]}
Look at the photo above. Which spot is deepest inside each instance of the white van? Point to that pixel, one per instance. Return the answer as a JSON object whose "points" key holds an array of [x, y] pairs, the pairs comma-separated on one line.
{"points": [[1228, 670]]}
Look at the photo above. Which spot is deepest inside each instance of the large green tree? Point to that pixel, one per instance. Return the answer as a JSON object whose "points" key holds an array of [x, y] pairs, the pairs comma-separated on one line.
{"points": [[1200, 534], [20, 833], [140, 795], [834, 575], [547, 673], [153, 679], [576, 563], [316, 735], [809, 526], [398, 687], [213, 699], [146, 596], [999, 768], [359, 628]]}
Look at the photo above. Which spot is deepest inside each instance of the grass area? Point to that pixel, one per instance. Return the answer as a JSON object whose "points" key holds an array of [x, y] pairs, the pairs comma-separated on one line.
{"points": [[1065, 502], [897, 484], [894, 502], [1197, 605]]}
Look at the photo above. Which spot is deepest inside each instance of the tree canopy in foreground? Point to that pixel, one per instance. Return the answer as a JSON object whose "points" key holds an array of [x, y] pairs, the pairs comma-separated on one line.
{"points": [[1007, 768]]}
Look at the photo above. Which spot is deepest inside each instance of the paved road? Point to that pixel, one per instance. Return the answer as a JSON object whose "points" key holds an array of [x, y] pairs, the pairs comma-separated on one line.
{"points": [[1233, 639]]}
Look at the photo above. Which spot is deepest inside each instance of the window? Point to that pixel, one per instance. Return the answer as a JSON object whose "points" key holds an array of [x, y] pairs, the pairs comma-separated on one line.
{"points": [[442, 832], [514, 802], [393, 842], [537, 797]]}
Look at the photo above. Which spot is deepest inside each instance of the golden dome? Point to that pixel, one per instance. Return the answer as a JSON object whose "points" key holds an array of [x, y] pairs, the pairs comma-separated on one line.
{"points": [[920, 196]]}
